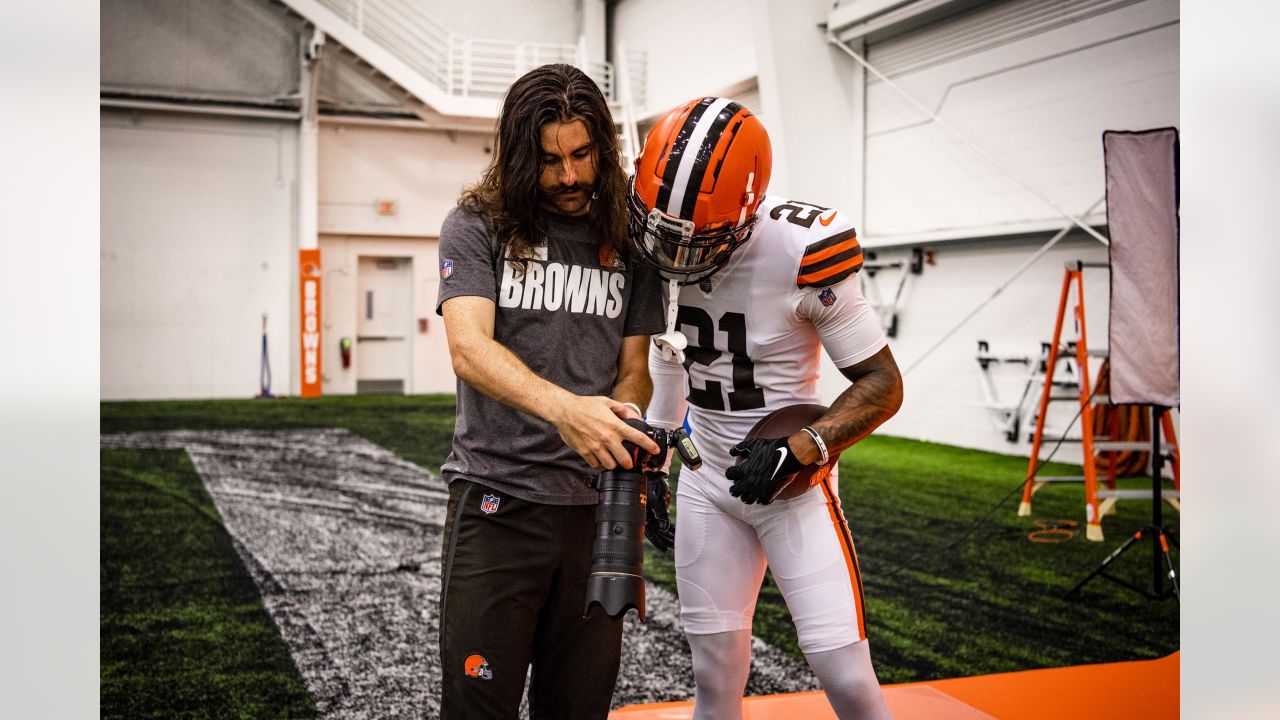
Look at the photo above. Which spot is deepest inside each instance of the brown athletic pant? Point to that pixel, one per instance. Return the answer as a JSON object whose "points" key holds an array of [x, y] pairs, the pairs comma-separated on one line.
{"points": [[514, 585]]}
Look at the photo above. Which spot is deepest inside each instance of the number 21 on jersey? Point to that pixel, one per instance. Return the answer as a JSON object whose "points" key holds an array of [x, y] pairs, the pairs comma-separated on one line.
{"points": [[744, 395]]}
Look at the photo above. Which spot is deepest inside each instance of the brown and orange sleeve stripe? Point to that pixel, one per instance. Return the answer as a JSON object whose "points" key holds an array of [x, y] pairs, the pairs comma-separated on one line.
{"points": [[829, 261]]}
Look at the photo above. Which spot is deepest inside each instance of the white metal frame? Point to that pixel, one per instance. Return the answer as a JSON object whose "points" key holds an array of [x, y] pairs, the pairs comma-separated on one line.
{"points": [[454, 75]]}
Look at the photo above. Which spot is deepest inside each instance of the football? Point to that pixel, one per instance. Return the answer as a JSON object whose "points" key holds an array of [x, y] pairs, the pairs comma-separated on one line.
{"points": [[785, 422]]}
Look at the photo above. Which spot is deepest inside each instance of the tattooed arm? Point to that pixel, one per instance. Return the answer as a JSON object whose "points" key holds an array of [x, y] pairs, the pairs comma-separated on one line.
{"points": [[873, 397]]}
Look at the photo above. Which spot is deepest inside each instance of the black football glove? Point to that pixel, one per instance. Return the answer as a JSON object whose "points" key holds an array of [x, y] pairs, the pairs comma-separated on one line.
{"points": [[763, 466], [657, 521]]}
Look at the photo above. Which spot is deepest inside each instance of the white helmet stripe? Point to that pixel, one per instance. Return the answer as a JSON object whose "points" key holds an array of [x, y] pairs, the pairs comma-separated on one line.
{"points": [[689, 157]]}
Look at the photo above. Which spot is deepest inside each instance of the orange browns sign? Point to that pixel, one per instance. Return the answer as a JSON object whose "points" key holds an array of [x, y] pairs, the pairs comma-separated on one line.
{"points": [[309, 287]]}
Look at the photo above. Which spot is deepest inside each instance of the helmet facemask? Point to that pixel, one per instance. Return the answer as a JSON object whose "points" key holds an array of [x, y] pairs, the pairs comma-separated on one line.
{"points": [[679, 250]]}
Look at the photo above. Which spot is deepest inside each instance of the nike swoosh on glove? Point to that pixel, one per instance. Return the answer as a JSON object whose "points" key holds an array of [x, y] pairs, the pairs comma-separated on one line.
{"points": [[763, 465], [657, 521]]}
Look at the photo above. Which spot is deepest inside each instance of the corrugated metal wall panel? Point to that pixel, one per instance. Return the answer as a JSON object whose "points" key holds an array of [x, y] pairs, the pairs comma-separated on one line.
{"points": [[236, 49], [1033, 84], [980, 29]]}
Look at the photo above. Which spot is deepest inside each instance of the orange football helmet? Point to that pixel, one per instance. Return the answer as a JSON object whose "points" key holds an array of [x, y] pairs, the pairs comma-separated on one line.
{"points": [[702, 174]]}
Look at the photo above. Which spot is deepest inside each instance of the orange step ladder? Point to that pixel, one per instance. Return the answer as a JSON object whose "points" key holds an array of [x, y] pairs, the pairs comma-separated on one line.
{"points": [[1098, 502]]}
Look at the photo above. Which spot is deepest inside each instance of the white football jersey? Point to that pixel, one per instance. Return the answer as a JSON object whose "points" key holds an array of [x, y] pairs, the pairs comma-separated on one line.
{"points": [[755, 327]]}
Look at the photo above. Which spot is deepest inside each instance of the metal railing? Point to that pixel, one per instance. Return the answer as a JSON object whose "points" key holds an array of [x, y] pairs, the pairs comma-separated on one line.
{"points": [[637, 65], [467, 67]]}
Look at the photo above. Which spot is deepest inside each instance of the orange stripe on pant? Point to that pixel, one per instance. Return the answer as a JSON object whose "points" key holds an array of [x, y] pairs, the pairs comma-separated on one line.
{"points": [[850, 555]]}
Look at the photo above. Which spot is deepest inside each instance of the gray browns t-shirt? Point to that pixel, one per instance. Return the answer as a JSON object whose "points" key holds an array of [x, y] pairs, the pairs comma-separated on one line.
{"points": [[565, 318]]}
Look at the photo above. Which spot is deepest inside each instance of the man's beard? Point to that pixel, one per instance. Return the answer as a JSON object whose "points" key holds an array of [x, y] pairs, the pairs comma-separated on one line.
{"points": [[585, 189], [555, 198]]}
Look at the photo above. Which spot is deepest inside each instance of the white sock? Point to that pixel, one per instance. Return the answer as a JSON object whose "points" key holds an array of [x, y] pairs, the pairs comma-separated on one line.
{"points": [[721, 662], [849, 680]]}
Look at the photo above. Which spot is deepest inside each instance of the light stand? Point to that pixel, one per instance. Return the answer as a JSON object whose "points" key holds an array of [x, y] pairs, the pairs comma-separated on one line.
{"points": [[1160, 536]]}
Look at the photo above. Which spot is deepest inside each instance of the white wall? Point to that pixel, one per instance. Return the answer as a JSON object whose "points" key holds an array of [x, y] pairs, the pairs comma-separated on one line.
{"points": [[431, 370], [1037, 104], [1035, 92], [773, 57], [422, 171], [811, 102], [694, 48], [197, 243], [943, 393]]}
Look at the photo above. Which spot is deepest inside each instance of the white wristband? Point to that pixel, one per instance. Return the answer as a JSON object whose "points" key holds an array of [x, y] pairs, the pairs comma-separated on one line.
{"points": [[635, 407], [817, 440]]}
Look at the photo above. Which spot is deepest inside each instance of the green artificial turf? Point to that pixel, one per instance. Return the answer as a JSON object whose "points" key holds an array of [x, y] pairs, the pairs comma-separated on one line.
{"points": [[418, 428], [952, 591], [183, 630], [945, 596], [992, 602]]}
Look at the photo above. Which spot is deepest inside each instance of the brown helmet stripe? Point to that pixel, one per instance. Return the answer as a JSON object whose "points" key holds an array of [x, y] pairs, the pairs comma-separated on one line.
{"points": [[677, 151], [703, 157], [694, 134]]}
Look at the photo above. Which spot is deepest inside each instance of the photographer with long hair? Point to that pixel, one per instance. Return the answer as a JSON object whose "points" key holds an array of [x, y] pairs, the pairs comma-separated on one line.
{"points": [[548, 319]]}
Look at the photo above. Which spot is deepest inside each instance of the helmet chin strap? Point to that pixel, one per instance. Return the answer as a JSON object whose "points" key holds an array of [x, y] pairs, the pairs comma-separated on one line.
{"points": [[671, 344]]}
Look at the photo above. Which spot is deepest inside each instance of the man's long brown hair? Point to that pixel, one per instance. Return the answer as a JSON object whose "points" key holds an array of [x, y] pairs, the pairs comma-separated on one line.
{"points": [[508, 192]]}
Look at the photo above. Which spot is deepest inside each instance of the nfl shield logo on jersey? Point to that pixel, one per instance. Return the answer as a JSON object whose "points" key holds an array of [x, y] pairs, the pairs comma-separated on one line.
{"points": [[446, 269], [489, 504], [828, 297]]}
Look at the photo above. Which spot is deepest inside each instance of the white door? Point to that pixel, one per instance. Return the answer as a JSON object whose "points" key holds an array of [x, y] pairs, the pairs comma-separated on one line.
{"points": [[383, 324]]}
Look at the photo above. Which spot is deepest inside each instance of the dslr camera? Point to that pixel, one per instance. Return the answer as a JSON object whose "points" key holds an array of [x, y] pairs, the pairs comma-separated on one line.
{"points": [[632, 506]]}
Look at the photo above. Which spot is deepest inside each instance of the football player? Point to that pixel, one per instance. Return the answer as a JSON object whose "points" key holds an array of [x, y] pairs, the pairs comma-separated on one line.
{"points": [[757, 284]]}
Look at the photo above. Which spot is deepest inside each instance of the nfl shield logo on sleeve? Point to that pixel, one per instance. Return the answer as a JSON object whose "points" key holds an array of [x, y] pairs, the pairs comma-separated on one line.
{"points": [[828, 297], [489, 504], [446, 269]]}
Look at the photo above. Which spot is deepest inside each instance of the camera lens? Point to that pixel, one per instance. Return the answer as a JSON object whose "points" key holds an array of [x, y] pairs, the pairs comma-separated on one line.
{"points": [[617, 552]]}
